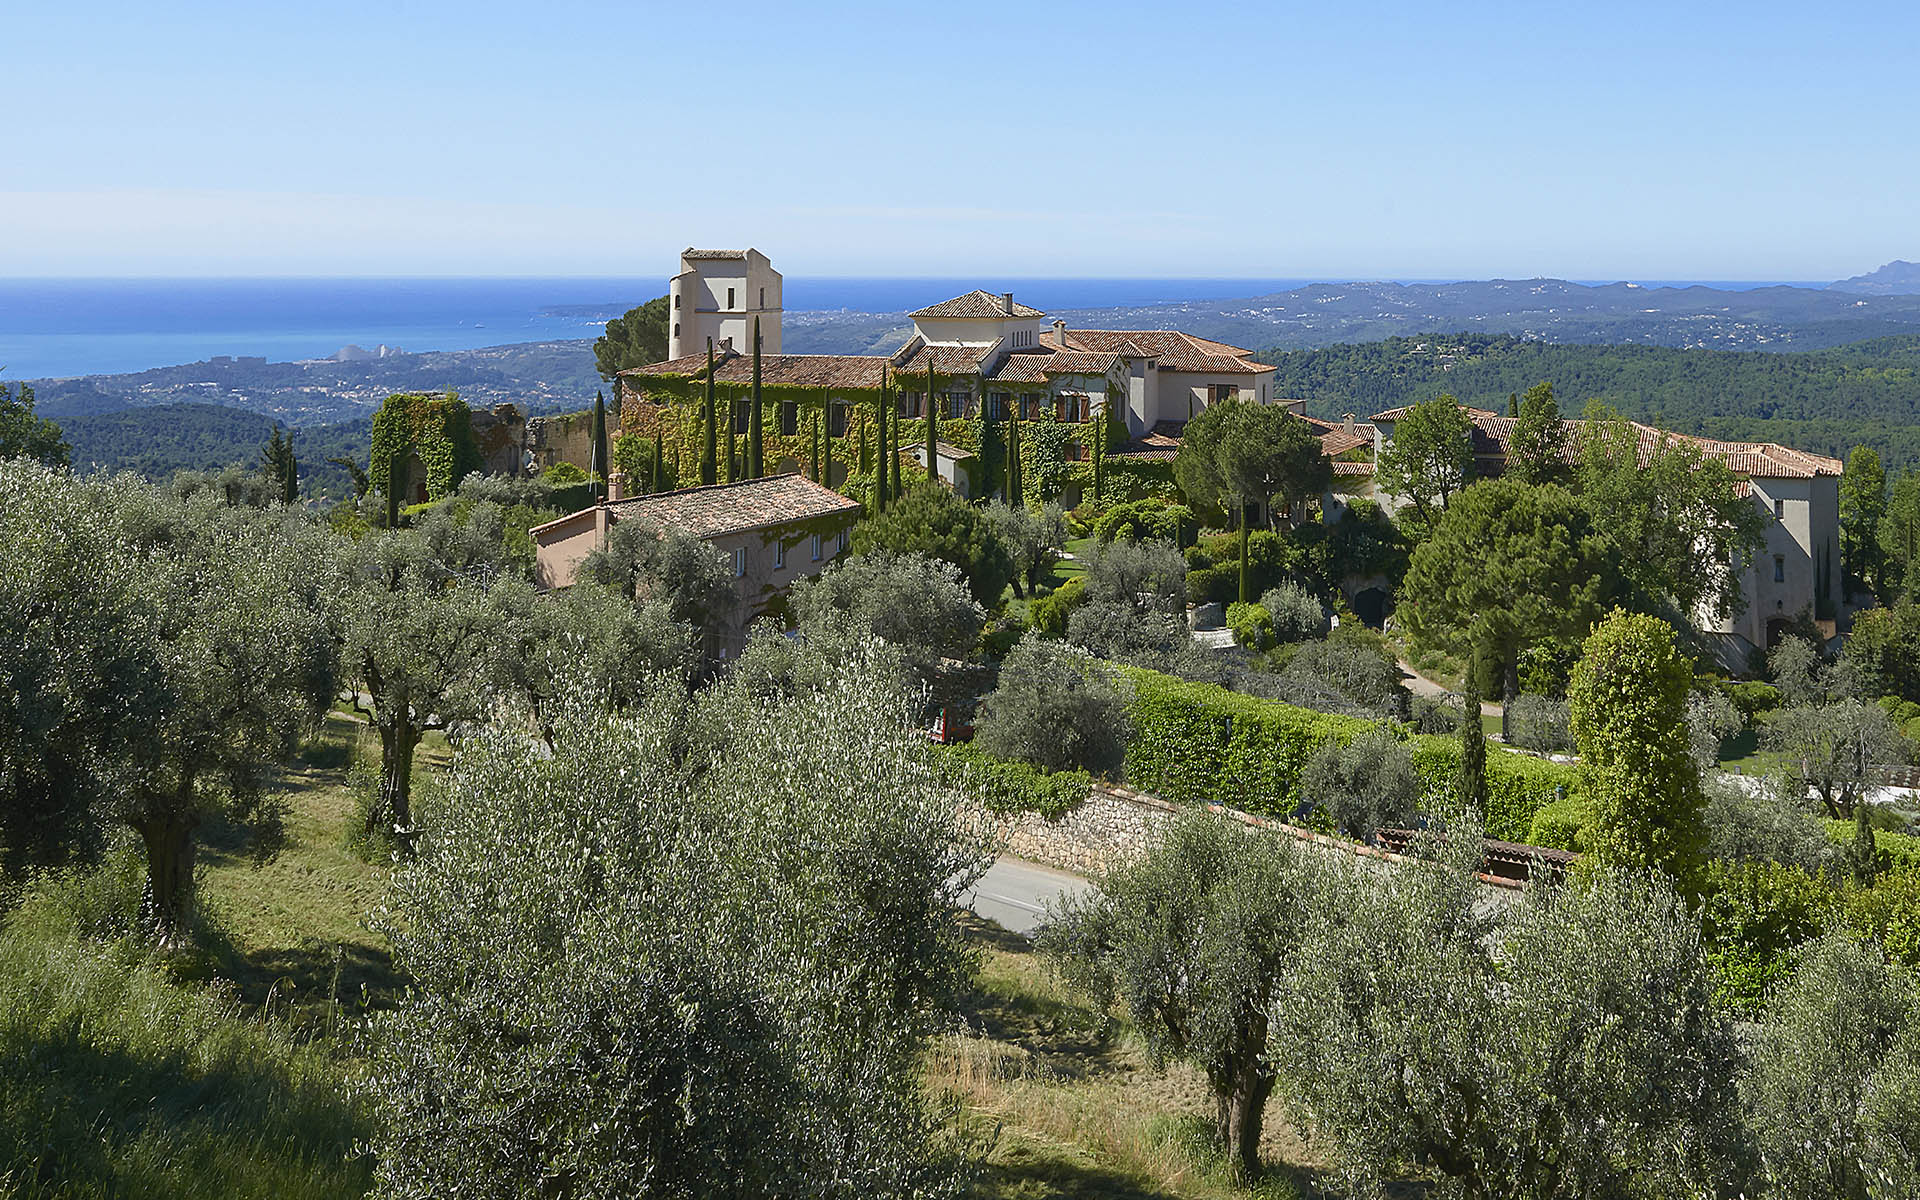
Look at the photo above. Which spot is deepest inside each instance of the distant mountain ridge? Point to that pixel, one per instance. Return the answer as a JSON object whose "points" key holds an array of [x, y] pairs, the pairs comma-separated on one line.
{"points": [[1897, 278]]}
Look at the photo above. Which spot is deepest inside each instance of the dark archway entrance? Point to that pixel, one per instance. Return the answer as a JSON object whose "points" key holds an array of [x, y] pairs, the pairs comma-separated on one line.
{"points": [[1372, 605], [1777, 628]]}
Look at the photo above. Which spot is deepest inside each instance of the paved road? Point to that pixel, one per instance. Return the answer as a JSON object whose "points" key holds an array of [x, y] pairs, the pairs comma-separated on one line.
{"points": [[1014, 892]]}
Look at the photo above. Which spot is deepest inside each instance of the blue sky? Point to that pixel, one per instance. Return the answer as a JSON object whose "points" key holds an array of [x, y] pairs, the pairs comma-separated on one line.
{"points": [[1702, 140]]}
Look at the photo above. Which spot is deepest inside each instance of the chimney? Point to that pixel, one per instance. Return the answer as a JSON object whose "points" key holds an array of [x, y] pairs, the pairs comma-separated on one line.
{"points": [[726, 345], [1006, 303], [1060, 332], [1347, 423]]}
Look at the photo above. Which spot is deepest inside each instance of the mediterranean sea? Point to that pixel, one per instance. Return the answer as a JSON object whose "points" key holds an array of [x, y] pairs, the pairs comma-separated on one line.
{"points": [[67, 327]]}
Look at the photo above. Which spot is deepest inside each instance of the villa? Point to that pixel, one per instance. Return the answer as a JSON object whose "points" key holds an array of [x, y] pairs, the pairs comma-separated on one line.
{"points": [[1797, 571], [984, 349]]}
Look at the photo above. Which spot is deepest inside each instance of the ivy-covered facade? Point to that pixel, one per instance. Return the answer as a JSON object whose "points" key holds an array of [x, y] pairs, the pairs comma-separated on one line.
{"points": [[979, 365]]}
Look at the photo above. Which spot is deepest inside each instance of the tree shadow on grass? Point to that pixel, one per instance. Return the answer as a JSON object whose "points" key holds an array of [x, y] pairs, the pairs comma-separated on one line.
{"points": [[355, 977]]}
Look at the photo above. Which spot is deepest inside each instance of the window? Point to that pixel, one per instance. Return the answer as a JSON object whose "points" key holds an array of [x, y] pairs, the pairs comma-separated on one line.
{"points": [[997, 405], [742, 415], [1223, 391], [729, 299], [837, 419], [739, 562], [909, 404], [676, 302], [1030, 403], [676, 329], [1070, 407], [779, 555], [816, 547], [789, 418], [840, 543], [956, 405], [1779, 510], [1779, 568], [763, 297]]}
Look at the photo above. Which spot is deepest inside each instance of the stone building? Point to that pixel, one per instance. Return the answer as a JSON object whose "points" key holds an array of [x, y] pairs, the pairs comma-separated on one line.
{"points": [[772, 530], [1797, 571]]}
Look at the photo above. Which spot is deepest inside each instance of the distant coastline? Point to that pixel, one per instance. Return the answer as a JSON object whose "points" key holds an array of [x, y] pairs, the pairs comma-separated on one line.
{"points": [[65, 328]]}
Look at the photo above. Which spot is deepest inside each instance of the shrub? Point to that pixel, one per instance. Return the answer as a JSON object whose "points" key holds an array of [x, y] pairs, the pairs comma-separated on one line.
{"points": [[1744, 826], [1753, 916], [1213, 585], [1297, 614], [1058, 708], [1123, 633], [1539, 723], [1752, 698], [1006, 786], [1711, 720], [1352, 663], [1199, 741], [1252, 625], [1149, 576], [1049, 612], [1364, 785], [1137, 519], [930, 519], [1561, 825], [912, 601]]}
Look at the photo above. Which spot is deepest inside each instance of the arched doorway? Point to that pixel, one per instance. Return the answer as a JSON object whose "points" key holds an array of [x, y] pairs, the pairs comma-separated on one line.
{"points": [[1372, 605]]}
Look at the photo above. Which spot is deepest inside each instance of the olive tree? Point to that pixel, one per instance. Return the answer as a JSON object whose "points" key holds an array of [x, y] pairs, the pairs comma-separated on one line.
{"points": [[696, 948], [1363, 785], [1031, 539], [1057, 707], [1831, 1090], [912, 601], [167, 654], [424, 644], [1193, 938], [1829, 752], [1570, 1047]]}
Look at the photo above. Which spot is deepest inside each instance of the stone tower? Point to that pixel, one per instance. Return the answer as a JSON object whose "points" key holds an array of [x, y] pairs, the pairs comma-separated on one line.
{"points": [[717, 294]]}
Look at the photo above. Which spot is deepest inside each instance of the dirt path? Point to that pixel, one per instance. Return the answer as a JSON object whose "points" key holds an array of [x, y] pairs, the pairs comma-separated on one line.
{"points": [[1420, 685]]}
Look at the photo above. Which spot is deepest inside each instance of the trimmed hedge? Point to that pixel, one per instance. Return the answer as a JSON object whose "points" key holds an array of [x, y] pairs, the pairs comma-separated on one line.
{"points": [[1195, 742], [1008, 786]]}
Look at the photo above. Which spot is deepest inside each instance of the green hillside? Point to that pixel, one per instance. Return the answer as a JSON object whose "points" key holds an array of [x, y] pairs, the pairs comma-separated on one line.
{"points": [[1825, 401], [157, 441]]}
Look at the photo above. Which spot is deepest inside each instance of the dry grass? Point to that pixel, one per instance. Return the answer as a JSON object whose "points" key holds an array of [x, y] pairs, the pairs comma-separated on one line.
{"points": [[1080, 1110]]}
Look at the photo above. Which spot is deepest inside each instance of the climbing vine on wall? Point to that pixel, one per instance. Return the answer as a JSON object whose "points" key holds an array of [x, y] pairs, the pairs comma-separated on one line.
{"points": [[435, 430]]}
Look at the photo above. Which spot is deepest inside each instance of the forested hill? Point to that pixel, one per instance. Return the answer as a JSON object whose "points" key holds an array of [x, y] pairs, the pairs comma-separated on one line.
{"points": [[1825, 401], [157, 441]]}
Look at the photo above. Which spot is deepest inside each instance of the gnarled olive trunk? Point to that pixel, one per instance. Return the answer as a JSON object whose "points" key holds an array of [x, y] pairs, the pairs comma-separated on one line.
{"points": [[1241, 1090], [167, 903], [397, 744]]}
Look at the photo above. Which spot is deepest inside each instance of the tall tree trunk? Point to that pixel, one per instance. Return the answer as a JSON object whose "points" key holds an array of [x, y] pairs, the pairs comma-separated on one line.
{"points": [[1240, 1114], [1246, 579], [168, 900], [397, 744], [1510, 687]]}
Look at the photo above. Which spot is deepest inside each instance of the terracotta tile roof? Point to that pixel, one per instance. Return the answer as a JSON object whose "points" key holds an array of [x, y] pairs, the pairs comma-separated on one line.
{"points": [[796, 370], [963, 358], [723, 508], [1176, 351], [1034, 366], [977, 303], [1395, 414], [1352, 468], [1493, 437]]}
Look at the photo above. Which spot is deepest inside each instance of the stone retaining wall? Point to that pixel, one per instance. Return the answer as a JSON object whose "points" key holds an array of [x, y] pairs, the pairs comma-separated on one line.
{"points": [[1116, 823]]}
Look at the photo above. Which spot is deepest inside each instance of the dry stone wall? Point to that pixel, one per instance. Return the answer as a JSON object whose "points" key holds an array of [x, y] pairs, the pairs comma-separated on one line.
{"points": [[1116, 823]]}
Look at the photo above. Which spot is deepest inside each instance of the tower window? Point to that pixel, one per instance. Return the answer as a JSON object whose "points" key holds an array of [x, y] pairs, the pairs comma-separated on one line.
{"points": [[676, 301], [1779, 510], [1779, 568], [729, 299], [779, 555], [763, 297], [676, 329]]}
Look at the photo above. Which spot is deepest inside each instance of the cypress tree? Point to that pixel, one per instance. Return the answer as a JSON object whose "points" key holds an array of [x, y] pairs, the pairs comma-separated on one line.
{"points": [[601, 466], [709, 458], [1013, 457], [881, 478], [933, 422], [991, 459], [659, 458], [1099, 448], [894, 492], [813, 445], [1473, 747], [756, 444]]}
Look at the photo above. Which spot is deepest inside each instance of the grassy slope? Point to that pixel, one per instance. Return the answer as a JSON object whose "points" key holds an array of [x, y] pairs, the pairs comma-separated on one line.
{"points": [[120, 1078], [1079, 1110]]}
